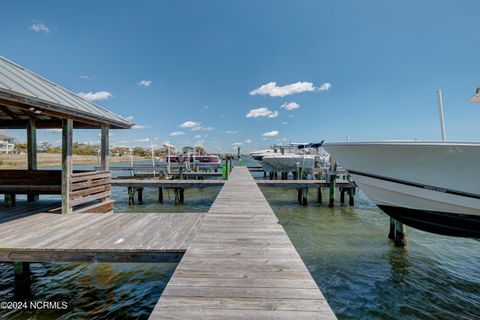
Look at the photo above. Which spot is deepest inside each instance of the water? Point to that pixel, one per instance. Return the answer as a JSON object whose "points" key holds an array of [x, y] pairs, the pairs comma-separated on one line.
{"points": [[360, 272]]}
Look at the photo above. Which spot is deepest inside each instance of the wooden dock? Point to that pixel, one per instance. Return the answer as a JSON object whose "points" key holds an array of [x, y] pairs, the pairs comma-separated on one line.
{"points": [[241, 264], [93, 237]]}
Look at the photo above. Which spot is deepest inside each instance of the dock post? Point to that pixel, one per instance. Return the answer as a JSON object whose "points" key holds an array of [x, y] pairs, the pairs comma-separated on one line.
{"points": [[400, 234], [264, 173], [182, 195], [131, 196], [22, 278], [351, 199], [331, 198], [9, 200], [305, 196], [299, 194], [140, 195], [391, 232], [160, 195], [319, 195], [342, 195]]}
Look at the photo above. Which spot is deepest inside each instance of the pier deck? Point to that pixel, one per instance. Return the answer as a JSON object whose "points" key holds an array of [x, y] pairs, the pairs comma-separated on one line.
{"points": [[241, 264], [93, 237]]}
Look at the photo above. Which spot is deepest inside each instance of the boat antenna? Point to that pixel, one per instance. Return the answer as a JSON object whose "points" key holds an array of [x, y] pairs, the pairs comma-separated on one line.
{"points": [[440, 111]]}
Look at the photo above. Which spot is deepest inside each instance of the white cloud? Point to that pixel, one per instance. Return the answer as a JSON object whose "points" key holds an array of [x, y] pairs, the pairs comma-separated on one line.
{"points": [[92, 96], [129, 118], [198, 128], [273, 115], [199, 142], [140, 126], [145, 83], [143, 140], [290, 106], [248, 141], [231, 131], [54, 130], [273, 90], [273, 133], [189, 124], [87, 77], [177, 133], [261, 112], [237, 144], [284, 123], [39, 27]]}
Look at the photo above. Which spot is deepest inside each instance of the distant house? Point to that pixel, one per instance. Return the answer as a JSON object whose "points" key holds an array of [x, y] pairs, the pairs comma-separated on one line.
{"points": [[7, 144]]}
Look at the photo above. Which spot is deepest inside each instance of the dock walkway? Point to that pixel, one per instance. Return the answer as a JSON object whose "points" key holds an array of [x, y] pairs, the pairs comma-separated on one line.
{"points": [[241, 264]]}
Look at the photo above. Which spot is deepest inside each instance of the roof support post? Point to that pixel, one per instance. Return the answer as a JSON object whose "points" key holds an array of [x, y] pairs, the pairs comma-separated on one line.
{"points": [[32, 151], [67, 164], [104, 148]]}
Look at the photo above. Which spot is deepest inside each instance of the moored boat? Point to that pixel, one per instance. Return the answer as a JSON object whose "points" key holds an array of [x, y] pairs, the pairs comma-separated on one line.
{"points": [[432, 186]]}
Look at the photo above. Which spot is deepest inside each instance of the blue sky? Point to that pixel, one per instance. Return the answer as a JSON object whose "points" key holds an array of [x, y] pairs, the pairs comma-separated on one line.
{"points": [[201, 61]]}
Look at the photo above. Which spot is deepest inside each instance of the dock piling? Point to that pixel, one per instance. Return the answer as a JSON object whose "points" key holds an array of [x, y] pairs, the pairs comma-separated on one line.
{"points": [[131, 196], [160, 195], [391, 232], [400, 234], [319, 195], [331, 199], [342, 196], [140, 195]]}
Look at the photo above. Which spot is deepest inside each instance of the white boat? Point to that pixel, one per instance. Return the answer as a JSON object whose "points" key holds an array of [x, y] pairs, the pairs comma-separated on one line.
{"points": [[288, 162], [432, 186]]}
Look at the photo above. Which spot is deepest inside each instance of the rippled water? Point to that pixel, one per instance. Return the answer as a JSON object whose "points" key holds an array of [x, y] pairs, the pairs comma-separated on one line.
{"points": [[360, 272]]}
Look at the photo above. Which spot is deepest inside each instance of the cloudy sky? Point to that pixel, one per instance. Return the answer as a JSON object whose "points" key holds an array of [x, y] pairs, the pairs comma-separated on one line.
{"points": [[254, 73]]}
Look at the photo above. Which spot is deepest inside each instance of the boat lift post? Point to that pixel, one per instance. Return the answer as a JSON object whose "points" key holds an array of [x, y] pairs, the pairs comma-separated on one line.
{"points": [[440, 111]]}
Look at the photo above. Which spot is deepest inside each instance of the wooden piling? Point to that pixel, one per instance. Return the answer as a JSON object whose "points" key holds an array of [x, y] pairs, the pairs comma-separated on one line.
{"points": [[131, 196], [9, 200], [331, 198], [140, 195], [160, 195], [305, 196], [319, 195], [342, 195], [182, 195], [391, 232], [351, 199], [22, 273], [400, 235]]}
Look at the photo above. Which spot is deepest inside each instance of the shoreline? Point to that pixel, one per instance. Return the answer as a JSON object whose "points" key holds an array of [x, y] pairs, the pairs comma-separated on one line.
{"points": [[47, 160]]}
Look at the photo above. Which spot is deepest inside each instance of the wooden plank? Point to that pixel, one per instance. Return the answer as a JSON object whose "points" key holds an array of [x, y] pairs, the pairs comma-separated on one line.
{"points": [[90, 184], [89, 173], [88, 191], [102, 207], [90, 198], [92, 176]]}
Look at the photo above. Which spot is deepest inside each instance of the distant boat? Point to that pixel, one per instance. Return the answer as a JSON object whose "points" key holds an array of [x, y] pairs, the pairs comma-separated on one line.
{"points": [[207, 159], [291, 157], [432, 186]]}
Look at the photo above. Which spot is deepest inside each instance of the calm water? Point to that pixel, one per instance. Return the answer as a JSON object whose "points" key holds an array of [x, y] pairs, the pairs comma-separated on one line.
{"points": [[346, 249]]}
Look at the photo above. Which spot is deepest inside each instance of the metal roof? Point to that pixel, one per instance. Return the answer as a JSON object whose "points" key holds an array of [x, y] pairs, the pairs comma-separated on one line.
{"points": [[22, 85]]}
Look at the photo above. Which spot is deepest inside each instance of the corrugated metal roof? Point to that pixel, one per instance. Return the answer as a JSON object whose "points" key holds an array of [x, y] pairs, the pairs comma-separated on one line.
{"points": [[18, 81]]}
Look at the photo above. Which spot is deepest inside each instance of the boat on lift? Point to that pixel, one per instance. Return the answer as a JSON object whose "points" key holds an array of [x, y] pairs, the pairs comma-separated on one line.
{"points": [[431, 186]]}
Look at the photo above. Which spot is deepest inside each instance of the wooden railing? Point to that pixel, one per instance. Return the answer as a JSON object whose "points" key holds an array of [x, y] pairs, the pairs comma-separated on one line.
{"points": [[88, 188]]}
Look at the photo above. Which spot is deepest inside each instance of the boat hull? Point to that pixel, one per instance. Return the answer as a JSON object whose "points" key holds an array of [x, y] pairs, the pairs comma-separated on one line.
{"points": [[429, 186], [287, 163]]}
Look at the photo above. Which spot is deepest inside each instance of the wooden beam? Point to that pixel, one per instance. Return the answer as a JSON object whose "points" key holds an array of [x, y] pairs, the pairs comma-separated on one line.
{"points": [[32, 151], [67, 164], [104, 148]]}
